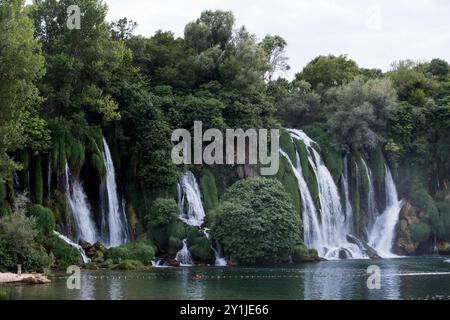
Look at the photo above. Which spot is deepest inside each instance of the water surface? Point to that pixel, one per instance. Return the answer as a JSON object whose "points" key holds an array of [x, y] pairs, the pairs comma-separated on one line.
{"points": [[404, 278]]}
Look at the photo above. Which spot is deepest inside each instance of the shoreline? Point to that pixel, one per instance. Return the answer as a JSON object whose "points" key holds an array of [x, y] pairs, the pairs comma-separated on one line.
{"points": [[33, 278]]}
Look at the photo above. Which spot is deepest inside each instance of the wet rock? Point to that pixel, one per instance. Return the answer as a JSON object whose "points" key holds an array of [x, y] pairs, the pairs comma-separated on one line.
{"points": [[36, 279], [363, 246], [404, 243]]}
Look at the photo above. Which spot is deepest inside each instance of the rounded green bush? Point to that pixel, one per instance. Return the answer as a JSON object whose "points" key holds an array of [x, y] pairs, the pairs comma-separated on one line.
{"points": [[257, 223], [162, 212]]}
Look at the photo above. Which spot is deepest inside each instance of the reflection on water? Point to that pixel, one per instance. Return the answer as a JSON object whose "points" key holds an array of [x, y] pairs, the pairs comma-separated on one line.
{"points": [[407, 278]]}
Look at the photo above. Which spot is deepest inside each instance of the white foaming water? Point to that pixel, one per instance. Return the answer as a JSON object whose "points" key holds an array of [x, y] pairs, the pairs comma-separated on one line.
{"points": [[220, 260], [80, 209], [383, 232], [184, 256], [372, 205], [117, 222], [73, 244], [348, 206], [188, 190], [329, 237]]}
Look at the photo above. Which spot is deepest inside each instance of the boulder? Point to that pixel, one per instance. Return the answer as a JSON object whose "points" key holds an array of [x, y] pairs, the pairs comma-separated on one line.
{"points": [[36, 279], [363, 246]]}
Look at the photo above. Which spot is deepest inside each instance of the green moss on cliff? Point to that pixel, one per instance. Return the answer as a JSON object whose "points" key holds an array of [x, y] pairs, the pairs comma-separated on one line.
{"points": [[209, 190]]}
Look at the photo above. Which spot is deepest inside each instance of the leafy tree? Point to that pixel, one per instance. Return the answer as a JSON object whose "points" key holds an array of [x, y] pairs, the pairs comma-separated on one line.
{"points": [[274, 47], [256, 222], [329, 71], [21, 66], [358, 112], [439, 68]]}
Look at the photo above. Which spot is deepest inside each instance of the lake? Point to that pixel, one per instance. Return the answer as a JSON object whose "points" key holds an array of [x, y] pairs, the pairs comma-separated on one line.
{"points": [[402, 278]]}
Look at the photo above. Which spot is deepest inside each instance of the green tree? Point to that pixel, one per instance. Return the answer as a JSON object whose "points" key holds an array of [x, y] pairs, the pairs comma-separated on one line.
{"points": [[275, 49], [329, 71], [256, 222], [21, 66], [162, 212], [358, 112]]}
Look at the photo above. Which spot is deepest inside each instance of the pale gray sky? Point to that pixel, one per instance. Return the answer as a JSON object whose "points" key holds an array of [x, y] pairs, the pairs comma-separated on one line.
{"points": [[373, 33]]}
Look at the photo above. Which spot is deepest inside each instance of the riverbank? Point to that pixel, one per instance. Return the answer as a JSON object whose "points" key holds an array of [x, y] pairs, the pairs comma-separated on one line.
{"points": [[33, 278]]}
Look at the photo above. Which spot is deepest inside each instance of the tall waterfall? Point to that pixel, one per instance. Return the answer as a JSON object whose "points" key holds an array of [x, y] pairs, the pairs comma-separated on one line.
{"points": [[329, 237], [188, 190], [117, 221], [383, 231], [73, 244], [184, 256], [80, 209], [345, 188], [371, 202]]}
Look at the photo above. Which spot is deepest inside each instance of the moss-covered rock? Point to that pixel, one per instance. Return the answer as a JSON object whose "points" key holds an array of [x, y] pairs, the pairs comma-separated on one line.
{"points": [[129, 264], [200, 249], [287, 177], [209, 190], [301, 253], [139, 251]]}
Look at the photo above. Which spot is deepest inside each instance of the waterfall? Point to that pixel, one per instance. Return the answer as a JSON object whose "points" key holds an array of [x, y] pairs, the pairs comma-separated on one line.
{"points": [[80, 209], [73, 244], [220, 260], [117, 224], [329, 236], [371, 202], [383, 232], [312, 235], [348, 206], [184, 256], [188, 190]]}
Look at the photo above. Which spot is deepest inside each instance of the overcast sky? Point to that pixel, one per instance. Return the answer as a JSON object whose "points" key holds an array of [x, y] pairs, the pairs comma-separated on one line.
{"points": [[373, 33]]}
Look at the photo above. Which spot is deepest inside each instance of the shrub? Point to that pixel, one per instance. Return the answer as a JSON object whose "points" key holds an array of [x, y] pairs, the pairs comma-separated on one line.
{"points": [[129, 264], [44, 218], [200, 249], [257, 223], [302, 253], [64, 254], [420, 232], [162, 212], [132, 251]]}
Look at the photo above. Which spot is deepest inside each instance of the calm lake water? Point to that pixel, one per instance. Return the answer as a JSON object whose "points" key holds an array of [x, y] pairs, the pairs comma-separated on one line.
{"points": [[403, 278]]}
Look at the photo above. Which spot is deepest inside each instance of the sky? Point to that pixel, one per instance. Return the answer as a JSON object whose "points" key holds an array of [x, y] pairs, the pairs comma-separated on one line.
{"points": [[373, 33]]}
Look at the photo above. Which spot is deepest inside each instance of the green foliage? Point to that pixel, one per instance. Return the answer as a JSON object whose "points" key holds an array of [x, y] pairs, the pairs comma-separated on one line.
{"points": [[162, 212], [21, 66], [200, 249], [420, 232], [44, 219], [17, 246], [129, 264], [300, 254], [139, 251], [287, 177], [256, 222], [422, 200], [64, 254], [358, 111], [287, 146], [209, 190], [329, 71]]}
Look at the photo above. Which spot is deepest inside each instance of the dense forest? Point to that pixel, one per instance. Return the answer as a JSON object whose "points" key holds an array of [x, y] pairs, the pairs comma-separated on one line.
{"points": [[68, 95]]}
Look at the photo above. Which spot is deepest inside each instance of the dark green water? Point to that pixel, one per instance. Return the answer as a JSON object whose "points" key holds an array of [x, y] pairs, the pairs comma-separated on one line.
{"points": [[405, 278]]}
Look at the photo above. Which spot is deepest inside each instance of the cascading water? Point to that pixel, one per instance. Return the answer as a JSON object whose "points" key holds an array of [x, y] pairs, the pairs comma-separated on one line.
{"points": [[188, 190], [345, 188], [80, 209], [73, 244], [383, 232], [220, 260], [117, 221], [329, 237], [184, 256], [371, 202]]}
